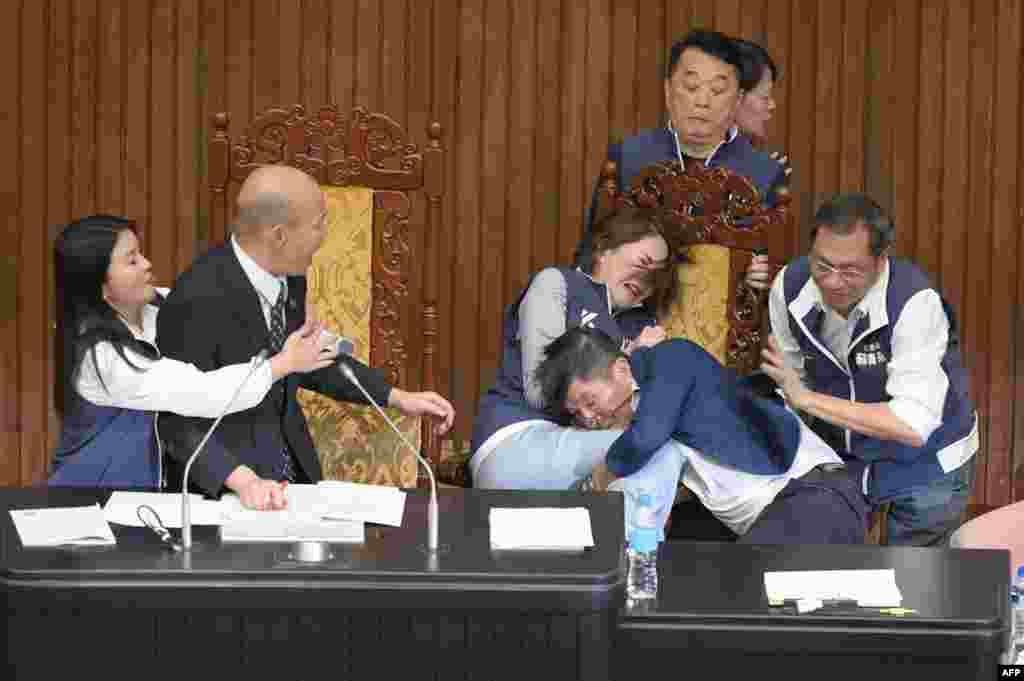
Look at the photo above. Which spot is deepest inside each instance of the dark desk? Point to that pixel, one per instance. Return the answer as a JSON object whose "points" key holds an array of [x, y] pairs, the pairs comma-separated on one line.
{"points": [[712, 614], [379, 610]]}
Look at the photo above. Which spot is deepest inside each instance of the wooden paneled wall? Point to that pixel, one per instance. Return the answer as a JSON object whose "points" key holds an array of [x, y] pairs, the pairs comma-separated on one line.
{"points": [[917, 102]]}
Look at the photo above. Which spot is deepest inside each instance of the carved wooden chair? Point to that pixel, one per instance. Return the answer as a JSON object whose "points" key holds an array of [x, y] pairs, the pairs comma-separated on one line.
{"points": [[379, 189], [717, 219]]}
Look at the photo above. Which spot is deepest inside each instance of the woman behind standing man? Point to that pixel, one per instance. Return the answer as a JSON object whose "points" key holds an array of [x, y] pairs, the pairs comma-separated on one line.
{"points": [[113, 379]]}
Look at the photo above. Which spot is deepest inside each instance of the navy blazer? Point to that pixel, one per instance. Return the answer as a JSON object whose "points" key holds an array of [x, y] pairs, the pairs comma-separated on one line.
{"points": [[635, 153], [687, 395], [214, 318]]}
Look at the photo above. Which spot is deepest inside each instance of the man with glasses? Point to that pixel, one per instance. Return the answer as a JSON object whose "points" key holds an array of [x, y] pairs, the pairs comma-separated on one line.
{"points": [[866, 348]]}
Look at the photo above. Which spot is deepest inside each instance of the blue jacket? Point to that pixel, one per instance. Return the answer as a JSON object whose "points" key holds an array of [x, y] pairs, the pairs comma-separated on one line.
{"points": [[894, 466], [687, 395], [586, 303], [106, 447], [635, 153]]}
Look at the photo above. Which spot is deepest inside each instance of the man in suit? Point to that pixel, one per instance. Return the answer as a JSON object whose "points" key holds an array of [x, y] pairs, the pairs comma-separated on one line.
{"points": [[702, 94], [245, 296]]}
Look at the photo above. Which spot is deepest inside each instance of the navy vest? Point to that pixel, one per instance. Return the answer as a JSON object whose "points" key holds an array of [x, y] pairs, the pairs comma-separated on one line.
{"points": [[586, 304], [106, 447], [894, 466]]}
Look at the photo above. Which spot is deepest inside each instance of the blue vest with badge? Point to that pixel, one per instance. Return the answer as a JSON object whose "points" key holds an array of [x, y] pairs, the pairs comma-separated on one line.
{"points": [[894, 466], [586, 305]]}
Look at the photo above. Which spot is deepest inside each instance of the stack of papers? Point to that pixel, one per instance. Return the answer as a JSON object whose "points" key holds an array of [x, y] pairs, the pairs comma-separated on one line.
{"points": [[559, 529], [869, 588], [285, 526], [122, 508], [77, 525]]}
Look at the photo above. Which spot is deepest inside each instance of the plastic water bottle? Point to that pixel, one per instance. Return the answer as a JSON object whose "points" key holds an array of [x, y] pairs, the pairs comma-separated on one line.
{"points": [[1017, 609], [642, 577]]}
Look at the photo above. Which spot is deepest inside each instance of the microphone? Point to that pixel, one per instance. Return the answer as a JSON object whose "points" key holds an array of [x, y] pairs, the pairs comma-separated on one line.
{"points": [[186, 520], [347, 372], [340, 344]]}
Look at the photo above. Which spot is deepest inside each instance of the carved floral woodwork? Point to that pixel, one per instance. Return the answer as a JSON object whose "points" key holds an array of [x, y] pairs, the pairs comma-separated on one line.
{"points": [[366, 149], [709, 205]]}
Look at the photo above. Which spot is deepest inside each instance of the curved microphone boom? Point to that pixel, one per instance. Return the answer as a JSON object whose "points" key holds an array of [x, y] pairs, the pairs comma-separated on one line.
{"points": [[347, 372], [186, 520]]}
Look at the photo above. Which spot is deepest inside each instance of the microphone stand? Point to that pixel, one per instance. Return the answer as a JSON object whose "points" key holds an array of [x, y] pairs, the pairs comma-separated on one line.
{"points": [[186, 519], [432, 549]]}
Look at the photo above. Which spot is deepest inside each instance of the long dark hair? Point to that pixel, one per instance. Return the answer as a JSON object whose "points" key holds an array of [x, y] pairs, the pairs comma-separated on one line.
{"points": [[82, 260]]}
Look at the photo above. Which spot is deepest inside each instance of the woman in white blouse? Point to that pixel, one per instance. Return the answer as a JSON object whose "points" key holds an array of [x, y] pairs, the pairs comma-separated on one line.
{"points": [[113, 378]]}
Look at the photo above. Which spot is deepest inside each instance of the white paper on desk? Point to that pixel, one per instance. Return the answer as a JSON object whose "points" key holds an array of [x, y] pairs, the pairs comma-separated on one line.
{"points": [[564, 529], [286, 526], [122, 508], [355, 501], [870, 588], [79, 525]]}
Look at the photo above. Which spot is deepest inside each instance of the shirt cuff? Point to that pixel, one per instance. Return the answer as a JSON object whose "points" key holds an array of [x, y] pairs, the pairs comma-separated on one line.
{"points": [[920, 419]]}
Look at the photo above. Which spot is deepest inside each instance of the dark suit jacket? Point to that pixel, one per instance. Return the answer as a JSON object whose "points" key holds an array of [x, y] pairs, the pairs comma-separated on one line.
{"points": [[213, 318], [687, 395], [635, 153]]}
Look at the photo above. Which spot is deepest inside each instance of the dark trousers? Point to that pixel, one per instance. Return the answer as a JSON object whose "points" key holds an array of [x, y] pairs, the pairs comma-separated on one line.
{"points": [[816, 509]]}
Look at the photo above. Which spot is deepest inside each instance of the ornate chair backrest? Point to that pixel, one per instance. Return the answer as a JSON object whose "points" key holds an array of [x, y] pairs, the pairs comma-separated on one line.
{"points": [[718, 220], [361, 277]]}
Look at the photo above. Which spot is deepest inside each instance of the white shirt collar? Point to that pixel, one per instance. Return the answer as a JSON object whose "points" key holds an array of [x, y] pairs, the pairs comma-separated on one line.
{"points": [[266, 284]]}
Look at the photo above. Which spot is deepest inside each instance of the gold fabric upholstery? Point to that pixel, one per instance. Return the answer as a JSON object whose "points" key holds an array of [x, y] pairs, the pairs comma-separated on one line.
{"points": [[700, 312], [354, 443]]}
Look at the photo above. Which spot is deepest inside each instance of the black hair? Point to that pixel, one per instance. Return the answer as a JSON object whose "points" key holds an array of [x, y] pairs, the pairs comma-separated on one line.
{"points": [[82, 260], [579, 353], [843, 212], [755, 59], [712, 43]]}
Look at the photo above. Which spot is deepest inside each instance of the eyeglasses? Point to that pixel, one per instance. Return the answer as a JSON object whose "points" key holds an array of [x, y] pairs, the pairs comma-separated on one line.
{"points": [[151, 519], [851, 275], [597, 422]]}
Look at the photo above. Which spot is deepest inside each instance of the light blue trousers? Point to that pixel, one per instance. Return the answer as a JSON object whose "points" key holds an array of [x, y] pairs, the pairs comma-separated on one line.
{"points": [[549, 457]]}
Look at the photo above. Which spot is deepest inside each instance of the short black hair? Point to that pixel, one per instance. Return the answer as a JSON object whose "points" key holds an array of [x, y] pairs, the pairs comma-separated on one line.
{"points": [[713, 43], [755, 59], [843, 212], [579, 353]]}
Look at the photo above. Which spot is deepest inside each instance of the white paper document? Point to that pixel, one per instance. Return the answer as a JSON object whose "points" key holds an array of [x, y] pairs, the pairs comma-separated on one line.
{"points": [[286, 526], [122, 508], [560, 529], [355, 501], [869, 588], [78, 525]]}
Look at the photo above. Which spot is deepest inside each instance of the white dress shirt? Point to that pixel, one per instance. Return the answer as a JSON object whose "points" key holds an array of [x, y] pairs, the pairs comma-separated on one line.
{"points": [[166, 384], [267, 285], [737, 498], [915, 381]]}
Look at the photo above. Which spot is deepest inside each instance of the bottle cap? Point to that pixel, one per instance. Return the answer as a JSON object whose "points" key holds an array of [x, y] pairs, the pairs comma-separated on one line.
{"points": [[1020, 571]]}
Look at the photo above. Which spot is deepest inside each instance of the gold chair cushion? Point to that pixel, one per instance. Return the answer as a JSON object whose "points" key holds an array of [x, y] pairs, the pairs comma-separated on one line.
{"points": [[700, 312], [354, 442]]}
